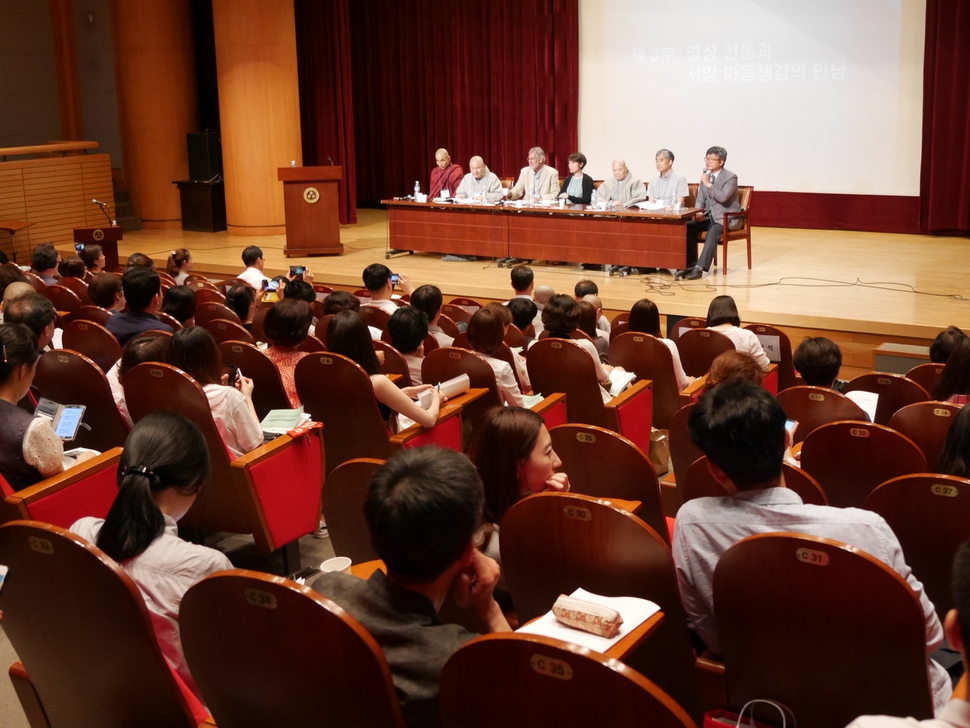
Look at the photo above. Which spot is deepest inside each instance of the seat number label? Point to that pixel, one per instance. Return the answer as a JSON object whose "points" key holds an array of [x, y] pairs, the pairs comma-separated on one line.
{"points": [[859, 432], [40, 545], [551, 667], [580, 514], [810, 556], [586, 437], [259, 598], [948, 490]]}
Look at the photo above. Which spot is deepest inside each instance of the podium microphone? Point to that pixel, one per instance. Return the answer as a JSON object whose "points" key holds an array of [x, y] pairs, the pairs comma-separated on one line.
{"points": [[103, 205]]}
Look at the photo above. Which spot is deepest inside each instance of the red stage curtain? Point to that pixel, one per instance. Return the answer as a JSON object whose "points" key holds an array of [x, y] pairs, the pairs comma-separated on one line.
{"points": [[326, 93], [945, 181], [489, 78]]}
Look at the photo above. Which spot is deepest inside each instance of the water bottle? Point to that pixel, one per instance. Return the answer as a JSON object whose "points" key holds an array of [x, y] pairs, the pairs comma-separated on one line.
{"points": [[417, 190]]}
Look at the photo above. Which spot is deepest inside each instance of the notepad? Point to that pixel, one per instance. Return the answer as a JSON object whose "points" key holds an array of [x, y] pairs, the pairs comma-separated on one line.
{"points": [[281, 421], [620, 380], [866, 400]]}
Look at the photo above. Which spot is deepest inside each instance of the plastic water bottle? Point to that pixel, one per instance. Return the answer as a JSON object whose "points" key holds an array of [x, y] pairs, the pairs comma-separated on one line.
{"points": [[417, 190]]}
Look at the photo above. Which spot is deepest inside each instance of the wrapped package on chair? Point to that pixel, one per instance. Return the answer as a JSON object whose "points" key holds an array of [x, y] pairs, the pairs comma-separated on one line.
{"points": [[587, 616]]}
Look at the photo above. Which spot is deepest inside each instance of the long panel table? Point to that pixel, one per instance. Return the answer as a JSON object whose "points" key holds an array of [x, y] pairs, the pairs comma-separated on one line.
{"points": [[655, 238]]}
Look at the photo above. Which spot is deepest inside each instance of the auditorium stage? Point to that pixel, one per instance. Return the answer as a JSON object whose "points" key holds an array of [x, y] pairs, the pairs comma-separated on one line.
{"points": [[860, 289]]}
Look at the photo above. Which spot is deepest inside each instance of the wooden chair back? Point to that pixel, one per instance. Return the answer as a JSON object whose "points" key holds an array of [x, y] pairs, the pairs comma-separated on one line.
{"points": [[78, 286], [196, 280], [344, 494], [813, 407], [687, 323], [514, 338], [204, 294], [374, 316], [461, 341], [553, 543], [650, 359], [211, 311], [36, 281], [456, 315], [448, 325], [894, 390], [699, 483], [620, 318], [699, 348], [394, 362], [93, 659], [312, 344], [783, 357], [466, 303], [237, 630], [603, 464], [94, 341], [561, 366], [831, 608], [268, 391], [447, 362], [223, 331], [930, 515], [926, 375], [64, 299], [71, 378], [521, 692], [617, 329], [926, 424], [504, 353], [166, 278], [683, 451], [259, 334], [166, 318], [92, 313], [849, 459]]}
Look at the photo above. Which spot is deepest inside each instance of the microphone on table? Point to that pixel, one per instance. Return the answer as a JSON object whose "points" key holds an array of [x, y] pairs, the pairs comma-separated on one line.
{"points": [[103, 205]]}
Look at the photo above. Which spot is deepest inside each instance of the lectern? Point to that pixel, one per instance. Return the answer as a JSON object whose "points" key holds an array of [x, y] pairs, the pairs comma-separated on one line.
{"points": [[107, 237], [310, 201]]}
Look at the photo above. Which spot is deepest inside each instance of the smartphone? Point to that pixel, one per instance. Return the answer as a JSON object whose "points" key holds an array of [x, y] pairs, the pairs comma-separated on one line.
{"points": [[272, 285], [68, 422], [79, 247], [790, 426], [395, 278], [297, 270]]}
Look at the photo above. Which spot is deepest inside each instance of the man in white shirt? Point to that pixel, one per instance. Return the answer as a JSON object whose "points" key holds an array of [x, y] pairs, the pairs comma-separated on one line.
{"points": [[408, 327], [667, 186], [479, 184], [624, 189], [379, 281], [252, 258], [428, 299], [740, 426], [537, 181]]}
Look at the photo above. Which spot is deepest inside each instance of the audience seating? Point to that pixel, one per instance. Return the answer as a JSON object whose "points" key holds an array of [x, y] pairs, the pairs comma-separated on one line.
{"points": [[196, 281], [87, 489], [699, 483], [926, 375], [166, 318], [64, 299], [344, 494], [786, 369], [926, 424], [268, 652], [394, 363], [514, 338], [268, 391], [312, 344], [830, 631], [67, 377], [374, 316], [209, 295], [205, 312], [35, 280], [448, 326], [620, 318], [455, 314], [603, 464], [699, 348], [448, 362], [223, 331], [520, 692], [258, 317], [849, 459], [618, 329], [683, 451], [560, 366], [894, 391], [92, 313], [78, 623], [930, 515], [94, 341], [816, 406], [687, 323], [466, 303], [553, 543], [650, 359], [78, 286], [166, 278]]}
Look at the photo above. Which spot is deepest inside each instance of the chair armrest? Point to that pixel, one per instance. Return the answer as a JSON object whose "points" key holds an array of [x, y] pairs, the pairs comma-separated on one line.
{"points": [[711, 686], [449, 420], [68, 477], [634, 413], [688, 392], [29, 699], [630, 392], [771, 379], [552, 409], [728, 216], [466, 397]]}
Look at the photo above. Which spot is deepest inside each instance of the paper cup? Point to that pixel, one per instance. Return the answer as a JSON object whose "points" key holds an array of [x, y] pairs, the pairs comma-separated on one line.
{"points": [[337, 563]]}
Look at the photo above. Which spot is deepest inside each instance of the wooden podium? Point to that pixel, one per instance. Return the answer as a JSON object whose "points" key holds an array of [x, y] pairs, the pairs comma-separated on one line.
{"points": [[107, 237], [310, 201]]}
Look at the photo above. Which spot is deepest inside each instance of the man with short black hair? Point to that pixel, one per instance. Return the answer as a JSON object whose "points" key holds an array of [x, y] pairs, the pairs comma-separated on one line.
{"points": [[740, 427], [423, 510], [143, 292], [524, 311], [818, 361], [428, 299], [377, 280], [407, 327], [43, 261], [586, 287], [523, 281], [252, 257], [36, 313]]}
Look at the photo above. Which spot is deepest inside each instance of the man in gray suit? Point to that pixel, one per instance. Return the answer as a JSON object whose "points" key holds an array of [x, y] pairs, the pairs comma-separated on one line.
{"points": [[717, 194]]}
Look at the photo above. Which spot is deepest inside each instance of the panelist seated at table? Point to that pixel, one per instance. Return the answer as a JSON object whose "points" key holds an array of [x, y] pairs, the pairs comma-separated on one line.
{"points": [[624, 189], [445, 176], [577, 188], [668, 186], [538, 181], [479, 184]]}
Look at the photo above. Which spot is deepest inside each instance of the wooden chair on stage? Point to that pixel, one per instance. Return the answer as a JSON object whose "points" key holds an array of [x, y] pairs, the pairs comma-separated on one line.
{"points": [[223, 331], [830, 643], [94, 341], [394, 363], [344, 494], [926, 424], [209, 295], [849, 459], [169, 319], [252, 671], [786, 369], [91, 660], [651, 360], [78, 286], [745, 194], [930, 515], [67, 377], [687, 323], [456, 314], [64, 299], [448, 325], [699, 348], [813, 407], [683, 451], [521, 694], [92, 313], [553, 543], [374, 316], [926, 375], [268, 391], [699, 483], [894, 390], [206, 312]]}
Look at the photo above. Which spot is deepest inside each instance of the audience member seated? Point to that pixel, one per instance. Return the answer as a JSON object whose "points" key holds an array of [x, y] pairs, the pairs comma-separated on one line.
{"points": [[142, 348], [740, 427], [139, 260], [179, 265], [343, 301], [524, 311], [587, 324], [105, 290], [428, 299], [43, 261], [423, 509], [378, 281], [944, 344], [161, 472], [298, 289], [93, 257], [521, 368], [407, 328], [597, 303], [818, 361], [196, 353], [523, 281], [722, 315], [585, 288], [242, 300], [143, 292], [252, 258], [645, 319], [37, 314], [286, 326], [560, 318], [541, 296], [10, 274], [486, 334], [13, 291], [72, 267], [954, 458], [733, 366], [347, 335], [954, 384], [179, 302], [29, 449]]}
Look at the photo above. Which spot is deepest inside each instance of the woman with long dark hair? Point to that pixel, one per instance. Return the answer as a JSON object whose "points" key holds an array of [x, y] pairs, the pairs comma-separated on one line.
{"points": [[954, 384], [645, 319]]}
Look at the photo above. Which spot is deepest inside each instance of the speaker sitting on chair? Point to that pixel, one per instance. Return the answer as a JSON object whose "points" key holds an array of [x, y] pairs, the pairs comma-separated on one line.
{"points": [[205, 156]]}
